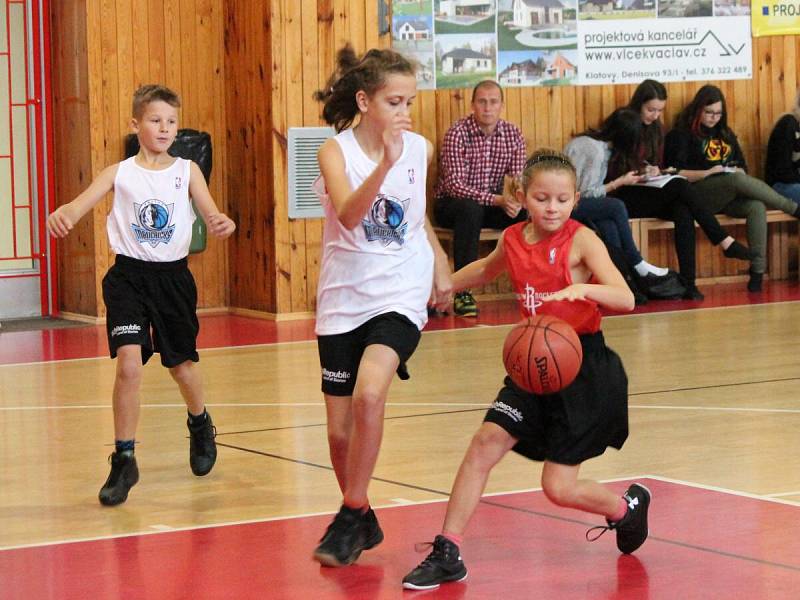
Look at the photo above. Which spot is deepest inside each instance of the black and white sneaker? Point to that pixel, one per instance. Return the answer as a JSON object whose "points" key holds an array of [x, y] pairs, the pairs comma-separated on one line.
{"points": [[632, 529], [202, 447], [346, 538], [442, 565], [124, 475]]}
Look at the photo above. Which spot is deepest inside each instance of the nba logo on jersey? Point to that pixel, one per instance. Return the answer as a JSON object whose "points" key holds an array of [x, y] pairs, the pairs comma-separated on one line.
{"points": [[178, 182], [411, 178], [551, 256]]}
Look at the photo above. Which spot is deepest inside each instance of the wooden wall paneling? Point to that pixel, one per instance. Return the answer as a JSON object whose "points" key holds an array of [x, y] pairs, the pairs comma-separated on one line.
{"points": [[555, 117], [295, 54], [72, 57], [568, 109], [279, 125], [156, 42], [540, 113], [527, 121], [140, 41]]}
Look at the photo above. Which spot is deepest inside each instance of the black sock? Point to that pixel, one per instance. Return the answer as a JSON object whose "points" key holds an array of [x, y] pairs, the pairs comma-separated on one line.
{"points": [[737, 250], [124, 446], [195, 420]]}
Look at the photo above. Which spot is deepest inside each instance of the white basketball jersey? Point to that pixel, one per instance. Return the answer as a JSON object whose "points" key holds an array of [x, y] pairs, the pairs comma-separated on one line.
{"points": [[151, 217], [385, 263]]}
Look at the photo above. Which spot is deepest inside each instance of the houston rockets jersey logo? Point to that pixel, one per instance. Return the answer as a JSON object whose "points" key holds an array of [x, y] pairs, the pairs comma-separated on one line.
{"points": [[385, 222], [153, 222]]}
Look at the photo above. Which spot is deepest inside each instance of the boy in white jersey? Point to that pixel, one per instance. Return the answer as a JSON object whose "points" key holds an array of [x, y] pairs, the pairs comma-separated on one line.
{"points": [[149, 293]]}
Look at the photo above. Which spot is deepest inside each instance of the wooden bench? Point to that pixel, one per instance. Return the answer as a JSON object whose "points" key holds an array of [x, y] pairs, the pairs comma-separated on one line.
{"points": [[712, 267], [781, 245], [501, 287]]}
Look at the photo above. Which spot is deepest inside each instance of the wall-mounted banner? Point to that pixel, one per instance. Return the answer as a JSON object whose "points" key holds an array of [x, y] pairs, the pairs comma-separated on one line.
{"points": [[686, 49], [573, 42], [776, 17]]}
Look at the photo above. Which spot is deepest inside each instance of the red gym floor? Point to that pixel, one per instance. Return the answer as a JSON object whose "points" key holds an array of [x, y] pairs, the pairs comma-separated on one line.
{"points": [[703, 543]]}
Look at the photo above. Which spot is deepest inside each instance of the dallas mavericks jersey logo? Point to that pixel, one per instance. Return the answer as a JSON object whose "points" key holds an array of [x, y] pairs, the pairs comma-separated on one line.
{"points": [[385, 222], [153, 227]]}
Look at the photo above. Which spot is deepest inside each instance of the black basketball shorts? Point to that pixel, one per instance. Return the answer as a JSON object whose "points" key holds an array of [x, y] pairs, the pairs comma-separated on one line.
{"points": [[575, 424], [340, 354], [152, 305]]}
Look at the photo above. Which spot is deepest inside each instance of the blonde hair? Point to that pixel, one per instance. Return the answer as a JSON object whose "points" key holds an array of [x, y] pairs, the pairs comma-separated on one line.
{"points": [[546, 159], [152, 93]]}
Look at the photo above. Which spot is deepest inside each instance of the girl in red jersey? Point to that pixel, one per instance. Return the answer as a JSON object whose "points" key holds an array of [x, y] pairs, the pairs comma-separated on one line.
{"points": [[561, 268]]}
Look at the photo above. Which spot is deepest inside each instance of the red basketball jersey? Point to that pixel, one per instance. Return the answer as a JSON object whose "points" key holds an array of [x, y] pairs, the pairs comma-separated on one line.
{"points": [[540, 269]]}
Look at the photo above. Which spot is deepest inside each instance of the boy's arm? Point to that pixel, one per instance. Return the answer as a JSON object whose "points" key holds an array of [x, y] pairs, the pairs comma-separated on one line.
{"points": [[611, 291], [63, 219], [482, 270], [219, 224]]}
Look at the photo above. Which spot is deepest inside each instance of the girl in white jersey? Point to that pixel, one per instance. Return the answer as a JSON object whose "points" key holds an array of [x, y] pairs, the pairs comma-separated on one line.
{"points": [[381, 265], [149, 292]]}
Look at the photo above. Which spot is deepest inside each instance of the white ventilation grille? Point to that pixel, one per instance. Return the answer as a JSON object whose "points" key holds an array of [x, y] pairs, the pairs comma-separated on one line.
{"points": [[303, 170]]}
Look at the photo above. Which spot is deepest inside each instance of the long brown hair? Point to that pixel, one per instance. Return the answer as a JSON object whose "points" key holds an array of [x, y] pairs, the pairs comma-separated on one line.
{"points": [[653, 134], [367, 73]]}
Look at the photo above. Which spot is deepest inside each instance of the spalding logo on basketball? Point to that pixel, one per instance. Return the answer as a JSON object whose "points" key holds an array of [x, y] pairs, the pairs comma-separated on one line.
{"points": [[386, 221], [542, 354], [152, 227]]}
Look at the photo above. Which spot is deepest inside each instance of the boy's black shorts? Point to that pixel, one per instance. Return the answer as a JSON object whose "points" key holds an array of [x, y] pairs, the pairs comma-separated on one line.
{"points": [[340, 354], [575, 424], [141, 296]]}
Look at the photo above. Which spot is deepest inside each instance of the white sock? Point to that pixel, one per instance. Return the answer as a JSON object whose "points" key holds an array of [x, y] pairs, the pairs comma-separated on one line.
{"points": [[644, 267]]}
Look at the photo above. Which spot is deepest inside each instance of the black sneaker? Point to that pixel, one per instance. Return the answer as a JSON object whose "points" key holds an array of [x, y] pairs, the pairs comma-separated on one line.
{"points": [[202, 449], [373, 534], [442, 565], [124, 475], [755, 282], [632, 528], [346, 538], [692, 293]]}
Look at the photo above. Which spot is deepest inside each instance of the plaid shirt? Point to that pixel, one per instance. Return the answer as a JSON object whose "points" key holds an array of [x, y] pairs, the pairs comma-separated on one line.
{"points": [[472, 164]]}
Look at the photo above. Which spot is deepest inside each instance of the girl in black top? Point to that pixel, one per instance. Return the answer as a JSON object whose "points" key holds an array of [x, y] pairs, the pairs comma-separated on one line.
{"points": [[782, 170], [705, 150]]}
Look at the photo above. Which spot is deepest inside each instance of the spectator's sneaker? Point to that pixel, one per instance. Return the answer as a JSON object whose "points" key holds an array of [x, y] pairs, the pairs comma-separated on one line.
{"points": [[346, 538], [373, 535], [202, 448], [692, 293], [442, 565], [632, 528], [124, 475], [464, 305], [755, 282]]}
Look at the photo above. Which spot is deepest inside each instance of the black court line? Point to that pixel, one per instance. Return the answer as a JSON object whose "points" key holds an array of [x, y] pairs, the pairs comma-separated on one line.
{"points": [[490, 502], [431, 414], [483, 408]]}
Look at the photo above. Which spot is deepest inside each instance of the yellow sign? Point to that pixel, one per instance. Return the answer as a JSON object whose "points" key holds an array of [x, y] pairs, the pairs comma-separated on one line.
{"points": [[775, 17]]}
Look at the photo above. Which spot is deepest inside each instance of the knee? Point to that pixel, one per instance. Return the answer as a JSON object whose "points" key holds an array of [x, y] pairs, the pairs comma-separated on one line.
{"points": [[367, 401], [129, 369], [487, 447], [558, 491], [183, 373]]}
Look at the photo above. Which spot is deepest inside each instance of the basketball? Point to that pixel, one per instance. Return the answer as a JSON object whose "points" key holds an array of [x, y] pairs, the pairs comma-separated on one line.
{"points": [[542, 354]]}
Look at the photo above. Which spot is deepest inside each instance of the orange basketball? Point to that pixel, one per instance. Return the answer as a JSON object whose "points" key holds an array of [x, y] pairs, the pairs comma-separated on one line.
{"points": [[542, 354]]}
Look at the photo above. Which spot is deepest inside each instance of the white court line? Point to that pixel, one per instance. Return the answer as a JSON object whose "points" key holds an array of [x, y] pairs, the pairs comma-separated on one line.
{"points": [[713, 488], [150, 531], [476, 327], [403, 404], [779, 494]]}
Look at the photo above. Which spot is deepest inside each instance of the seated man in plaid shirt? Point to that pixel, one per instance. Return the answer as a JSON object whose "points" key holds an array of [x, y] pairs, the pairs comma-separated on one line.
{"points": [[478, 152]]}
